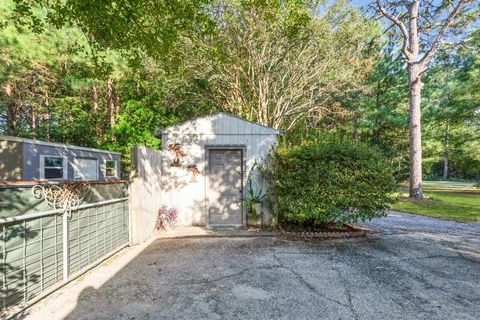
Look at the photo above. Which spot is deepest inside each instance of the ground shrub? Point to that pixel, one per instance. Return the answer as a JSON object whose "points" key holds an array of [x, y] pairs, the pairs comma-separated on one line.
{"points": [[166, 218], [329, 181]]}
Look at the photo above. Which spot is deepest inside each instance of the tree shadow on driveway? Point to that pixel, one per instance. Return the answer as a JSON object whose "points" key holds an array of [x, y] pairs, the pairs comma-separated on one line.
{"points": [[381, 277]]}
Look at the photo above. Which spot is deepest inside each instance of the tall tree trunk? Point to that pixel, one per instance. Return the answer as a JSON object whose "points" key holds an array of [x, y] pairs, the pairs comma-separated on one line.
{"points": [[33, 123], [95, 110], [111, 102], [415, 97], [354, 126], [95, 99], [376, 130], [11, 112], [416, 66], [12, 117], [445, 154], [415, 82], [117, 105], [47, 115]]}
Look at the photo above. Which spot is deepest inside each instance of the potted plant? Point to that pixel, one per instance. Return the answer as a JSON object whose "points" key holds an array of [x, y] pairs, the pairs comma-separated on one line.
{"points": [[253, 204]]}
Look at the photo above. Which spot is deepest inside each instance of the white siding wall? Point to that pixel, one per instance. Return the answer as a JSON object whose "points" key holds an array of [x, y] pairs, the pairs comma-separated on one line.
{"points": [[218, 130]]}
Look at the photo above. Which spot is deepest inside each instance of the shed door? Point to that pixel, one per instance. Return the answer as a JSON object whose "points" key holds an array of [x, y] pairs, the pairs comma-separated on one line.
{"points": [[224, 190], [85, 169]]}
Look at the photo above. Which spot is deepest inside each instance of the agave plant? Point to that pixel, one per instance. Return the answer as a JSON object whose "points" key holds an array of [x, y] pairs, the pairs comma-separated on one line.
{"points": [[254, 197]]}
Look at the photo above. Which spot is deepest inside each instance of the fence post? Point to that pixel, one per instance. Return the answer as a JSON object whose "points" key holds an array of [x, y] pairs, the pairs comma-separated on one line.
{"points": [[65, 247]]}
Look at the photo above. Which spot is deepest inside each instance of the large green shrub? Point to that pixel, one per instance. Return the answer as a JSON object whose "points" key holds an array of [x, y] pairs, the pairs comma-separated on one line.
{"points": [[329, 181]]}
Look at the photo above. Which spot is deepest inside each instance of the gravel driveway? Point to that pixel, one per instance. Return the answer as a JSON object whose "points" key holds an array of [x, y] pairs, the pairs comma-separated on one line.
{"points": [[413, 268]]}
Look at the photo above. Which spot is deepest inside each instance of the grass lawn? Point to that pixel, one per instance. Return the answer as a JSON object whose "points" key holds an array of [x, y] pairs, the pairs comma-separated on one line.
{"points": [[457, 201]]}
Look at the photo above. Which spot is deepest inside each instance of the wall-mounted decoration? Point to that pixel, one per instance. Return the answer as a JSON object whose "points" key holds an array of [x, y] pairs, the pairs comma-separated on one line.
{"points": [[193, 169], [177, 149], [65, 197]]}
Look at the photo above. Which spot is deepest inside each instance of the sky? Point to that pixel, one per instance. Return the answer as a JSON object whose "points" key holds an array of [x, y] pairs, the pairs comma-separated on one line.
{"points": [[361, 3]]}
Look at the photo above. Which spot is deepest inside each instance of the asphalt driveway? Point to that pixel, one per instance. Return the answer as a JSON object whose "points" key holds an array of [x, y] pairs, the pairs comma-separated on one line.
{"points": [[413, 268]]}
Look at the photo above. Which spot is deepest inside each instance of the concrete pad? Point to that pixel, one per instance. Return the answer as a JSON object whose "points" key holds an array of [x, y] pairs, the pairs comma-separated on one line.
{"points": [[398, 274]]}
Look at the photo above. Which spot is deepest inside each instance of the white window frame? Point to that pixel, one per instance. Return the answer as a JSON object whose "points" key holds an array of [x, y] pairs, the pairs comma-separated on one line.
{"points": [[64, 166], [116, 169]]}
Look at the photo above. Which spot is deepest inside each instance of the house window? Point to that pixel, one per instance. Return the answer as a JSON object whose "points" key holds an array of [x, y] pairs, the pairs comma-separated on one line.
{"points": [[53, 167], [85, 169], [111, 168]]}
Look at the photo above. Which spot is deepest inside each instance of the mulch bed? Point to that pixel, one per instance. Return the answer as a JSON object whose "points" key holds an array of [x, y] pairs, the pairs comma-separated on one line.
{"points": [[327, 232]]}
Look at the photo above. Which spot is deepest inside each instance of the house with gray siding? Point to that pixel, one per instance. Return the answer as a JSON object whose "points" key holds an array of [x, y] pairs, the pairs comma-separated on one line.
{"points": [[27, 159]]}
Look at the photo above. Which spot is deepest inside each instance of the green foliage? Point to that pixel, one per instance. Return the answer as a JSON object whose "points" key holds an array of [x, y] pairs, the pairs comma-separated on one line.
{"points": [[70, 122], [451, 117], [280, 62], [48, 82], [310, 67], [253, 197], [330, 180], [136, 126], [135, 27]]}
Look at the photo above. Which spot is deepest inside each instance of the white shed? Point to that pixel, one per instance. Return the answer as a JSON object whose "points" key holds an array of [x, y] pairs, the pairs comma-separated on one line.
{"points": [[205, 167]]}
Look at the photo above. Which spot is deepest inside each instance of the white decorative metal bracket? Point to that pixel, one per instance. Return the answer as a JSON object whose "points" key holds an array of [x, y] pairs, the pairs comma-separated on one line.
{"points": [[65, 197]]}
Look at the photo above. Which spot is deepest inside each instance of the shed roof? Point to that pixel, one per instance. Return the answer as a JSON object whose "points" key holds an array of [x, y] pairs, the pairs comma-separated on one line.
{"points": [[218, 124], [54, 144]]}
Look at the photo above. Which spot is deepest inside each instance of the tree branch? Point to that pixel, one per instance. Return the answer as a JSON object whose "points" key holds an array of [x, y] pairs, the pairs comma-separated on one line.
{"points": [[441, 35], [401, 26]]}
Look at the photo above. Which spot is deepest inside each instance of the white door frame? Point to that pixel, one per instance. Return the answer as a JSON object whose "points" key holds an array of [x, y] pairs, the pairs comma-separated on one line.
{"points": [[243, 152]]}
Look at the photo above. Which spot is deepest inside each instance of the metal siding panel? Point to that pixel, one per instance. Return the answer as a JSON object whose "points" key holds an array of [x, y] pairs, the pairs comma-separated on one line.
{"points": [[222, 139], [216, 125], [266, 130], [258, 141], [256, 157], [241, 127], [263, 143], [249, 142], [223, 124], [248, 128], [232, 125], [235, 128], [226, 139], [217, 139], [253, 129], [235, 139]]}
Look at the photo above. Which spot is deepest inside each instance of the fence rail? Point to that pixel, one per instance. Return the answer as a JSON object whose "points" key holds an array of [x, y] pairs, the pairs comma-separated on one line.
{"points": [[41, 250]]}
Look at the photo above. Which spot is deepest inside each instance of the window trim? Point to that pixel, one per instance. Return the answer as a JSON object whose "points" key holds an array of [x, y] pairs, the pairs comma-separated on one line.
{"points": [[64, 166], [116, 169]]}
